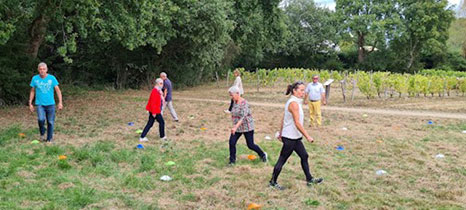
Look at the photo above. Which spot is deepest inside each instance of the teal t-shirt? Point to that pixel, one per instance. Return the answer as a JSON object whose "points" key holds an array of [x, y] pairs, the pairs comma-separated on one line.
{"points": [[44, 89]]}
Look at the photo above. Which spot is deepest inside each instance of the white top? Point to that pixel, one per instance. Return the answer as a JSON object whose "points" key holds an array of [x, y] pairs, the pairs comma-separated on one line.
{"points": [[314, 90], [289, 128], [239, 84]]}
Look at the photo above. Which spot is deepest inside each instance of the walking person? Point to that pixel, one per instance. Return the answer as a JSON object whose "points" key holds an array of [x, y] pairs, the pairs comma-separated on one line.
{"points": [[238, 83], [43, 87], [154, 107], [167, 95], [315, 92], [243, 124], [291, 134]]}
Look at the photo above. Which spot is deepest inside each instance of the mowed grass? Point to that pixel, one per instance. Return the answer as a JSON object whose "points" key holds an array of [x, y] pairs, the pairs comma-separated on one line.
{"points": [[103, 168]]}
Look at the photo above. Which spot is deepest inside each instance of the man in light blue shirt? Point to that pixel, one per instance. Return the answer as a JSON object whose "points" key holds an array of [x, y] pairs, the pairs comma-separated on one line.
{"points": [[315, 93], [43, 86]]}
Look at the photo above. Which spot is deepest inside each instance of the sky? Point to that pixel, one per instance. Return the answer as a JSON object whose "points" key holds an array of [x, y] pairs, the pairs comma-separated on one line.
{"points": [[331, 3]]}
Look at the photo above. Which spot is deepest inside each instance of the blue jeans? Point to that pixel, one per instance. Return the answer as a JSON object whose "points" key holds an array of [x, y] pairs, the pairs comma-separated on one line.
{"points": [[46, 113]]}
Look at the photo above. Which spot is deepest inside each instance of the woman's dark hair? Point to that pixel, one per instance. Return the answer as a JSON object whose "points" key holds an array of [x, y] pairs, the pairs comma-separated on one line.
{"points": [[294, 86]]}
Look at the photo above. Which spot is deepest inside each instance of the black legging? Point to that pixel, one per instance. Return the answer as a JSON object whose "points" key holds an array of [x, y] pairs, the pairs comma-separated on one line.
{"points": [[290, 145], [150, 123], [249, 141]]}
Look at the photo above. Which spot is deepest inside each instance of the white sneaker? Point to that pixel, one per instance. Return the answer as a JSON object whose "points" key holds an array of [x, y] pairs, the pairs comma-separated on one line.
{"points": [[143, 139], [164, 138], [227, 111]]}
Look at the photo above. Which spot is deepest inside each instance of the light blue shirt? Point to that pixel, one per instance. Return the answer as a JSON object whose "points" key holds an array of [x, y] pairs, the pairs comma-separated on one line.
{"points": [[44, 89], [315, 90]]}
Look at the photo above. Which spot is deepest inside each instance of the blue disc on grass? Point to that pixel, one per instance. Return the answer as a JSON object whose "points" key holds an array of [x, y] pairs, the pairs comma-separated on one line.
{"points": [[340, 148], [130, 123], [140, 146], [430, 122]]}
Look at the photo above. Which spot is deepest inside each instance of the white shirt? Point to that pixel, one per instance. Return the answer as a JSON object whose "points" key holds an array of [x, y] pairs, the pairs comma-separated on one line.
{"points": [[289, 127], [239, 84], [314, 90]]}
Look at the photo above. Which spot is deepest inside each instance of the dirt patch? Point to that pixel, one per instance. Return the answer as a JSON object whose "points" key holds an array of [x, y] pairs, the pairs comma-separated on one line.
{"points": [[65, 185]]}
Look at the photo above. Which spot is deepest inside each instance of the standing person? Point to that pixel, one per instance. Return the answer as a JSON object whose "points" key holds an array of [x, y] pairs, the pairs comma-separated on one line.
{"points": [[167, 95], [154, 107], [238, 83], [43, 87], [291, 134], [315, 92], [243, 123]]}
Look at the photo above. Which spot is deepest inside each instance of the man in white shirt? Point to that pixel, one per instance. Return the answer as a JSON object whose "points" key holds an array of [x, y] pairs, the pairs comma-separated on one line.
{"points": [[315, 93]]}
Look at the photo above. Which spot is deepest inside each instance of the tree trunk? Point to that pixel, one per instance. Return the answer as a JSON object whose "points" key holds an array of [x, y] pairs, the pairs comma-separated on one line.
{"points": [[201, 71], [412, 56], [360, 48], [37, 33]]}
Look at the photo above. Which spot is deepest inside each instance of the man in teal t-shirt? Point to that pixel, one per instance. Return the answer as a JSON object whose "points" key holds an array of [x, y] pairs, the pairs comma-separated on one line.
{"points": [[43, 86]]}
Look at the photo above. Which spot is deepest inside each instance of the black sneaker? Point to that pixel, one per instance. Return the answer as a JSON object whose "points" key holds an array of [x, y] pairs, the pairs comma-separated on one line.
{"points": [[264, 158], [314, 181], [275, 185]]}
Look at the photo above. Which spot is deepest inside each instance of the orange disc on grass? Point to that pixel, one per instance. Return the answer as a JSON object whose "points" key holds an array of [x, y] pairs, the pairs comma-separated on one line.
{"points": [[254, 206], [22, 135], [252, 157], [62, 157]]}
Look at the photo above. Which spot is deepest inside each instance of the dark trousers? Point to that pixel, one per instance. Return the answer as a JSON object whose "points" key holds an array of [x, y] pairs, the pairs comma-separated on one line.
{"points": [[290, 145], [231, 105], [150, 123], [249, 141]]}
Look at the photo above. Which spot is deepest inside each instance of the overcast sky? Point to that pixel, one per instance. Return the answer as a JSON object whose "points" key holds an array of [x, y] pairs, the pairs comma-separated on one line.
{"points": [[331, 3]]}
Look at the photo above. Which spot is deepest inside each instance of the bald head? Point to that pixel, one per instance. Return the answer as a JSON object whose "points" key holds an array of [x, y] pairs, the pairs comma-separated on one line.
{"points": [[163, 75]]}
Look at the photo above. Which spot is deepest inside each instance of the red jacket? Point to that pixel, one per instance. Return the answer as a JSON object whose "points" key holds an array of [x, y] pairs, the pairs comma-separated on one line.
{"points": [[155, 102]]}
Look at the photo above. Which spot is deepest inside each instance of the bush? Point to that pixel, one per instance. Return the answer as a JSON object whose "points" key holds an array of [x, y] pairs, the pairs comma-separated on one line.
{"points": [[15, 76]]}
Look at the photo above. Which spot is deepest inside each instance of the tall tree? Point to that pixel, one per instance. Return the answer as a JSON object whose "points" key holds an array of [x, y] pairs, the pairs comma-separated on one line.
{"points": [[259, 28], [370, 22], [312, 29], [424, 27]]}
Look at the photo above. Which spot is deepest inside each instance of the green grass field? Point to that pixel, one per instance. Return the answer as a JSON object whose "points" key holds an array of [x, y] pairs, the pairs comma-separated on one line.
{"points": [[104, 170]]}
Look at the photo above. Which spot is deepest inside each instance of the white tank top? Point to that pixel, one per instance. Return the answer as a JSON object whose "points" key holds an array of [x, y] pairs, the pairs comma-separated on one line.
{"points": [[289, 128]]}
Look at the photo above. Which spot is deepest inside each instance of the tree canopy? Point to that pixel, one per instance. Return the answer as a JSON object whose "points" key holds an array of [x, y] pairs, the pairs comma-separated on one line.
{"points": [[125, 44]]}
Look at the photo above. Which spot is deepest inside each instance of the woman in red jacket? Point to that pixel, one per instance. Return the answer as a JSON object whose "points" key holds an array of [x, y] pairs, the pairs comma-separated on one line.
{"points": [[154, 106]]}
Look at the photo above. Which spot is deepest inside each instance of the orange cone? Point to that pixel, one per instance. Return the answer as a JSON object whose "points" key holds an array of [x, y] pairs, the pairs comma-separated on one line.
{"points": [[254, 206], [252, 157]]}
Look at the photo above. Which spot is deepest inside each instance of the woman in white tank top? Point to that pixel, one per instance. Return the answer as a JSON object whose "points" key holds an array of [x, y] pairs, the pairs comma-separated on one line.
{"points": [[291, 134]]}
